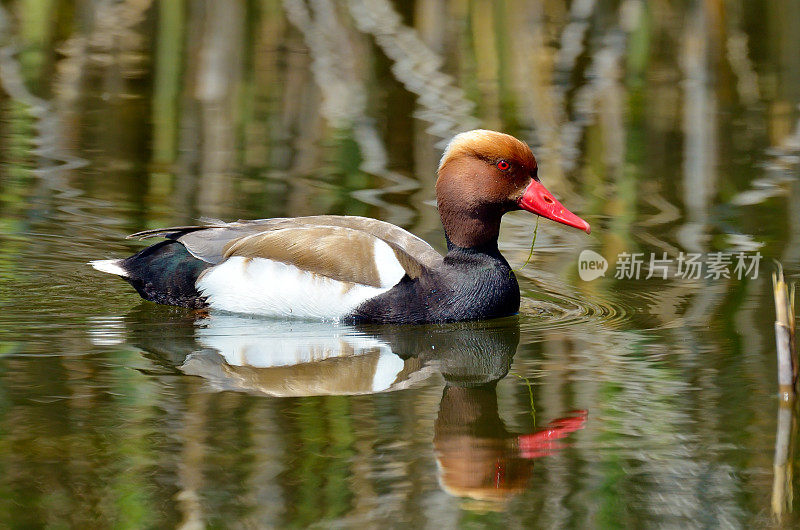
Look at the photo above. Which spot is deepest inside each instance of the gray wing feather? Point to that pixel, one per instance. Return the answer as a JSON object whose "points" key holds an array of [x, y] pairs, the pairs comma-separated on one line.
{"points": [[209, 242]]}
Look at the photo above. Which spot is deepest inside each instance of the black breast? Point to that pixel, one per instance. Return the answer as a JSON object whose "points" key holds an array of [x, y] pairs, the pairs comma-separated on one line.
{"points": [[470, 284]]}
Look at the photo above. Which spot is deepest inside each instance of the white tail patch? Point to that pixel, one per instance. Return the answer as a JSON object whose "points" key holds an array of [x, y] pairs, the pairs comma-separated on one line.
{"points": [[111, 266]]}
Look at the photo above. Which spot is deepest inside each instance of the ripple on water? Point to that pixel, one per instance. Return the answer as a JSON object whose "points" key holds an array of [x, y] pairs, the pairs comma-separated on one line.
{"points": [[553, 309]]}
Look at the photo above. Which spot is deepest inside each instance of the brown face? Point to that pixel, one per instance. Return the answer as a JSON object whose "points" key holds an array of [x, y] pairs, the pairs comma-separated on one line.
{"points": [[510, 177], [479, 183], [486, 173], [487, 167]]}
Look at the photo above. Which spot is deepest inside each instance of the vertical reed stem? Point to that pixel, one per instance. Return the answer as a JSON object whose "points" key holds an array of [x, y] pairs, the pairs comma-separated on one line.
{"points": [[784, 335]]}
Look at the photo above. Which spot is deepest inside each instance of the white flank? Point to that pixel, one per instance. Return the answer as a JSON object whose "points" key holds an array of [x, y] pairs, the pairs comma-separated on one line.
{"points": [[265, 287], [110, 266]]}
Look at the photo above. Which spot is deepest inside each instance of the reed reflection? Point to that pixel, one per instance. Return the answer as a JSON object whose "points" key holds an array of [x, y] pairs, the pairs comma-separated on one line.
{"points": [[477, 456]]}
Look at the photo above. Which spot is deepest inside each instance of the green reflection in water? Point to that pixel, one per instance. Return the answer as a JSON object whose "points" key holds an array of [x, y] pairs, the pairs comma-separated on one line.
{"points": [[678, 377]]}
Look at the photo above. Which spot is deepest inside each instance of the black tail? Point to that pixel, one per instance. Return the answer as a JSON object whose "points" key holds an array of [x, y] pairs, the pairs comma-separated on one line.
{"points": [[166, 273]]}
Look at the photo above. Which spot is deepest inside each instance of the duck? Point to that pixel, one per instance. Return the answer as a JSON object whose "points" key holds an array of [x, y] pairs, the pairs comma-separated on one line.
{"points": [[356, 269]]}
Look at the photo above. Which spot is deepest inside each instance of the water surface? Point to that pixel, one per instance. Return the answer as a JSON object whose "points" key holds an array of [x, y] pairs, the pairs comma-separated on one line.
{"points": [[612, 402]]}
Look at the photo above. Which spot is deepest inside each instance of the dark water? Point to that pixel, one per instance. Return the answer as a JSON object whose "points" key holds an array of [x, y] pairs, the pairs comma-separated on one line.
{"points": [[672, 128]]}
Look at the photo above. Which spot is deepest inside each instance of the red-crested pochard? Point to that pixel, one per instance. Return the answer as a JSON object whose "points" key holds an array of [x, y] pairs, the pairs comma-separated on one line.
{"points": [[358, 269]]}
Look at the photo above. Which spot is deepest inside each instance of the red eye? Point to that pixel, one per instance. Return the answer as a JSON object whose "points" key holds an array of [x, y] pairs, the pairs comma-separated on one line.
{"points": [[503, 165]]}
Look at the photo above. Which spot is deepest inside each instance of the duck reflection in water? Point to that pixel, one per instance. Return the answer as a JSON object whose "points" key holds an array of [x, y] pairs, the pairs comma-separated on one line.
{"points": [[477, 456]]}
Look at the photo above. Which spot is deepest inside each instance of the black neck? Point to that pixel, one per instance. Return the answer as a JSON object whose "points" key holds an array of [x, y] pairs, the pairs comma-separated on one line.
{"points": [[489, 248]]}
